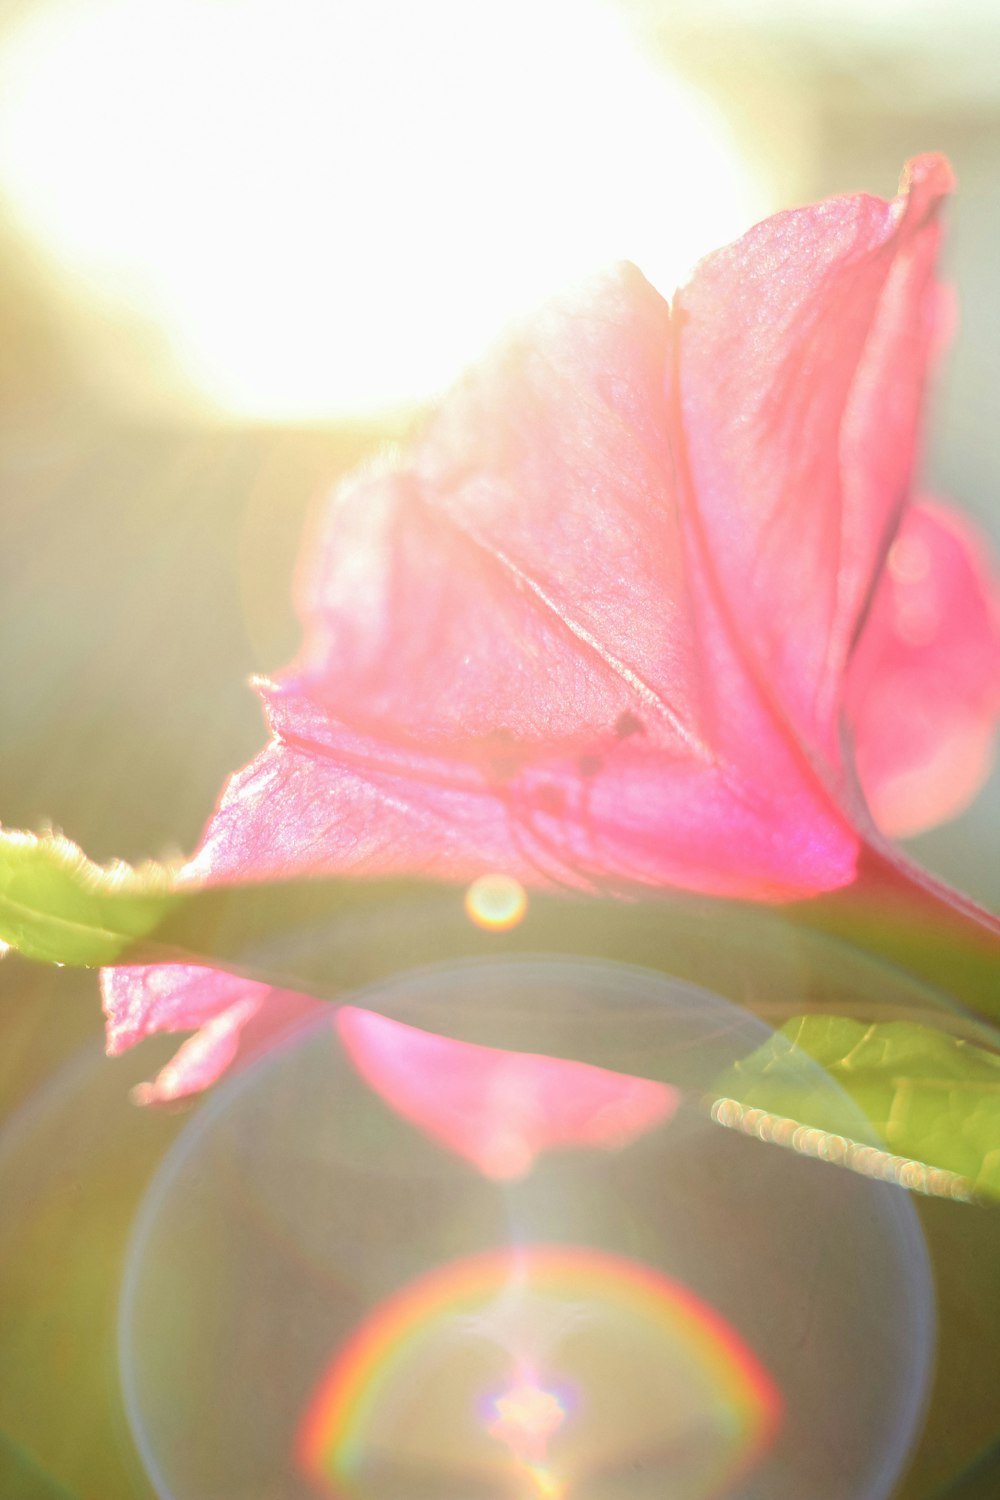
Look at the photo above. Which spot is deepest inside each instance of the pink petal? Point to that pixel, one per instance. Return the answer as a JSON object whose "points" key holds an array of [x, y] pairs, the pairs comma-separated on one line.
{"points": [[499, 1109], [638, 819], [923, 697], [239, 1020]]}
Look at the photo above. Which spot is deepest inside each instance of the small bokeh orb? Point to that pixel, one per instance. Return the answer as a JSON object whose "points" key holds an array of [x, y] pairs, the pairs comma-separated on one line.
{"points": [[496, 902], [333, 1290]]}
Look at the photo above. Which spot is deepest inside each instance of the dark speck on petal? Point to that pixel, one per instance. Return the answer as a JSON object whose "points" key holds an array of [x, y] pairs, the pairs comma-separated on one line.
{"points": [[627, 724]]}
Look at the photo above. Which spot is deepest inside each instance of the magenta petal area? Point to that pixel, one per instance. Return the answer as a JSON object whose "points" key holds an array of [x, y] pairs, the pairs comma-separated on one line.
{"points": [[923, 693], [499, 1110], [237, 1020]]}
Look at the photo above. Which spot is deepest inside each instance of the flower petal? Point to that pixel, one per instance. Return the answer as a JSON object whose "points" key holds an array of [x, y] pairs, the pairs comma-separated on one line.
{"points": [[499, 1109], [514, 657], [923, 695], [237, 1020]]}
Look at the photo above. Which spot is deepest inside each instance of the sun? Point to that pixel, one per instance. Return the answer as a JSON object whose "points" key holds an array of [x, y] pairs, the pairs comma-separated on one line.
{"points": [[328, 208]]}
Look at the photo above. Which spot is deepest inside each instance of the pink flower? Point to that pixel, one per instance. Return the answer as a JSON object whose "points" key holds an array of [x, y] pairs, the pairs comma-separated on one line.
{"points": [[613, 621]]}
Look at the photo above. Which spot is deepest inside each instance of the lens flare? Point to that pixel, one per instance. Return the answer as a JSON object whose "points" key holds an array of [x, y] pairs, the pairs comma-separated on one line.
{"points": [[320, 1278], [599, 1363], [499, 1110], [331, 208], [496, 902], [526, 1417]]}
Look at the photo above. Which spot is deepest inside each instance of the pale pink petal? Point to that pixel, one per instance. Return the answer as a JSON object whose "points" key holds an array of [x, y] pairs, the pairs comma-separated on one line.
{"points": [[499, 1110], [238, 1020], [923, 693], [143, 999]]}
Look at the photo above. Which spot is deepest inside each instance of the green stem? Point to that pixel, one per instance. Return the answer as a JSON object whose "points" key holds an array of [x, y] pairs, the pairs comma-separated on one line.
{"points": [[898, 912]]}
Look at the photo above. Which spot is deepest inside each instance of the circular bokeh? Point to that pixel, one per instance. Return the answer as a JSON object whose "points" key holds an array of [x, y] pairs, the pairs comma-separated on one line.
{"points": [[383, 1265]]}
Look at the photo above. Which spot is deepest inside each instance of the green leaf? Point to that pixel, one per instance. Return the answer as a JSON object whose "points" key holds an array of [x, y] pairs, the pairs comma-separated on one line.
{"points": [[58, 906], [929, 1098], [331, 936], [902, 1050]]}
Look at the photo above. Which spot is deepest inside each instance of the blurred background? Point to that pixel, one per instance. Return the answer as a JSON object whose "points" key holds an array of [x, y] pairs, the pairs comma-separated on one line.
{"points": [[243, 244]]}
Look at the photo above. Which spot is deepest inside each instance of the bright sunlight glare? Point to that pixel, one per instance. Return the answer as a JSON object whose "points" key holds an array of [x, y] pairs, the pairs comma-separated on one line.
{"points": [[330, 207]]}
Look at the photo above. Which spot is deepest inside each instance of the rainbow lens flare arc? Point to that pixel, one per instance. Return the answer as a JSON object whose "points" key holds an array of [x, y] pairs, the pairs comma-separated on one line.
{"points": [[587, 1362]]}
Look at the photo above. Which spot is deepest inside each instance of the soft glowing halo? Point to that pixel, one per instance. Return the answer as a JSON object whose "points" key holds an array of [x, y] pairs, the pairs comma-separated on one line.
{"points": [[496, 902], [332, 207]]}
